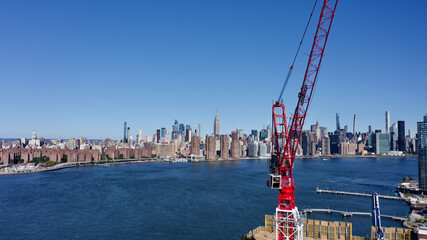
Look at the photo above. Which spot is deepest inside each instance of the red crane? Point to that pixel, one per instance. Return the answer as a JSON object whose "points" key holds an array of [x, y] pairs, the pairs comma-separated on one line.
{"points": [[285, 140]]}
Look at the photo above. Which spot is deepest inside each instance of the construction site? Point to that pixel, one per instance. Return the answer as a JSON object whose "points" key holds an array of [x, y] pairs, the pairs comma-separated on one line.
{"points": [[328, 230], [288, 222]]}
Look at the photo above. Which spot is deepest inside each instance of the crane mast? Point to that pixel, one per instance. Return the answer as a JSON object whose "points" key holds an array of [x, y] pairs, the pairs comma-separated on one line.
{"points": [[285, 140], [376, 216]]}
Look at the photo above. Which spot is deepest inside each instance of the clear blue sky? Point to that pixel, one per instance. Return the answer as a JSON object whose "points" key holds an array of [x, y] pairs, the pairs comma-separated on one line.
{"points": [[82, 68]]}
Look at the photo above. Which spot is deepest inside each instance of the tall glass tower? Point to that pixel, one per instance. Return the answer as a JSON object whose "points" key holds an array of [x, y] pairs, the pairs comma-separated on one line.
{"points": [[422, 154], [125, 139]]}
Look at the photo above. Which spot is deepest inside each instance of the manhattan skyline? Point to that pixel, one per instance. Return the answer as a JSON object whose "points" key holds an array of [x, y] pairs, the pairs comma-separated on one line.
{"points": [[82, 69]]}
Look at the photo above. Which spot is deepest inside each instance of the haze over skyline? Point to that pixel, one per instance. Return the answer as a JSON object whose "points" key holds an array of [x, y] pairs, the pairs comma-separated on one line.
{"points": [[73, 69]]}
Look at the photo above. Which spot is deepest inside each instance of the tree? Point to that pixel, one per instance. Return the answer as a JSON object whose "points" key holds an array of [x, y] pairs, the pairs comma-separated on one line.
{"points": [[64, 158], [405, 179], [411, 179]]}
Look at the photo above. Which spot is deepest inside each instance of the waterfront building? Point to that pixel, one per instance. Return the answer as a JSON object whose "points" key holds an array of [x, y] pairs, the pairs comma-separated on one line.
{"points": [[262, 151], [235, 146], [164, 150], [195, 146], [210, 148], [401, 139], [351, 148], [326, 145], [216, 125], [361, 148], [380, 142], [422, 154], [225, 146], [387, 121], [312, 147], [343, 148], [253, 149], [335, 140]]}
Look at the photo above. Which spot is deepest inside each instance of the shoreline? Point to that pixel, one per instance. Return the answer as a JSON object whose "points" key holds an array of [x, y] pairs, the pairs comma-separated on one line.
{"points": [[146, 160]]}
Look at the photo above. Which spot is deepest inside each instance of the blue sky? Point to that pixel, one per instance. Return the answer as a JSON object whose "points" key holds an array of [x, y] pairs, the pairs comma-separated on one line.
{"points": [[82, 68]]}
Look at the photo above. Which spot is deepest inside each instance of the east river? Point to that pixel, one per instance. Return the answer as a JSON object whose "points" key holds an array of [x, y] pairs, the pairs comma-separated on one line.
{"points": [[206, 200]]}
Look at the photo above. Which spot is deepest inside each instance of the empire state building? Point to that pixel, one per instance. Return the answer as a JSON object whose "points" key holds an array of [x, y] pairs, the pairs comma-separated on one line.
{"points": [[216, 125]]}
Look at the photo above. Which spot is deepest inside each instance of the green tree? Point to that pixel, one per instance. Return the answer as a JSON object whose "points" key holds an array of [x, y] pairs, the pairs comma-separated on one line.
{"points": [[405, 179], [411, 179], [64, 158], [51, 163], [17, 160]]}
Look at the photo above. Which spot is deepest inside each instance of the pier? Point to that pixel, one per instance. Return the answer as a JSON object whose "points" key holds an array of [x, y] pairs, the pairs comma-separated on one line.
{"points": [[318, 190], [350, 214]]}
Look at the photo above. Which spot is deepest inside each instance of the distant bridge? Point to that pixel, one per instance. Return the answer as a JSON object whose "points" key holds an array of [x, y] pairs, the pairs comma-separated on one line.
{"points": [[350, 214], [318, 190]]}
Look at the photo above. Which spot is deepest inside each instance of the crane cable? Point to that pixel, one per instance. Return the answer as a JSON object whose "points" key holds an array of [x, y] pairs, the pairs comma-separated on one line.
{"points": [[296, 54]]}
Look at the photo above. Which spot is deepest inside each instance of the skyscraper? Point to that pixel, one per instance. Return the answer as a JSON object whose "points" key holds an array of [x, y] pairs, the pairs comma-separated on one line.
{"points": [[401, 139], [393, 137], [338, 121], [210, 148], [354, 126], [216, 125], [198, 133], [157, 135], [195, 146], [162, 133], [125, 139], [225, 146], [235, 147], [422, 154], [387, 121], [139, 136]]}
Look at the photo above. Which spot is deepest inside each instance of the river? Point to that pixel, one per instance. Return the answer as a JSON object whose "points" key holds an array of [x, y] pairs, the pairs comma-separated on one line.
{"points": [[206, 200]]}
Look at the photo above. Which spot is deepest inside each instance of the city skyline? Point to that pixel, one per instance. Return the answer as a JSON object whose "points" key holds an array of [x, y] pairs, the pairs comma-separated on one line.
{"points": [[71, 80], [135, 131]]}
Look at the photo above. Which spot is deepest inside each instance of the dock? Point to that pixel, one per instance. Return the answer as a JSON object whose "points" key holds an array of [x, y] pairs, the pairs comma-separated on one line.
{"points": [[350, 214], [318, 190]]}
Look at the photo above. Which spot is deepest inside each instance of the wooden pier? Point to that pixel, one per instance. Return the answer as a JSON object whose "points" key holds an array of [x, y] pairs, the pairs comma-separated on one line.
{"points": [[318, 190], [350, 214]]}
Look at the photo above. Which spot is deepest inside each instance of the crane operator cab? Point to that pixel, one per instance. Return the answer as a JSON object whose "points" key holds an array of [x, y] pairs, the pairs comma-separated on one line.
{"points": [[274, 179]]}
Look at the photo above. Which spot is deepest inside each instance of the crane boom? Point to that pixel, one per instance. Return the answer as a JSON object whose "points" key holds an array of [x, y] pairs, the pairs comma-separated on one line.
{"points": [[285, 141]]}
